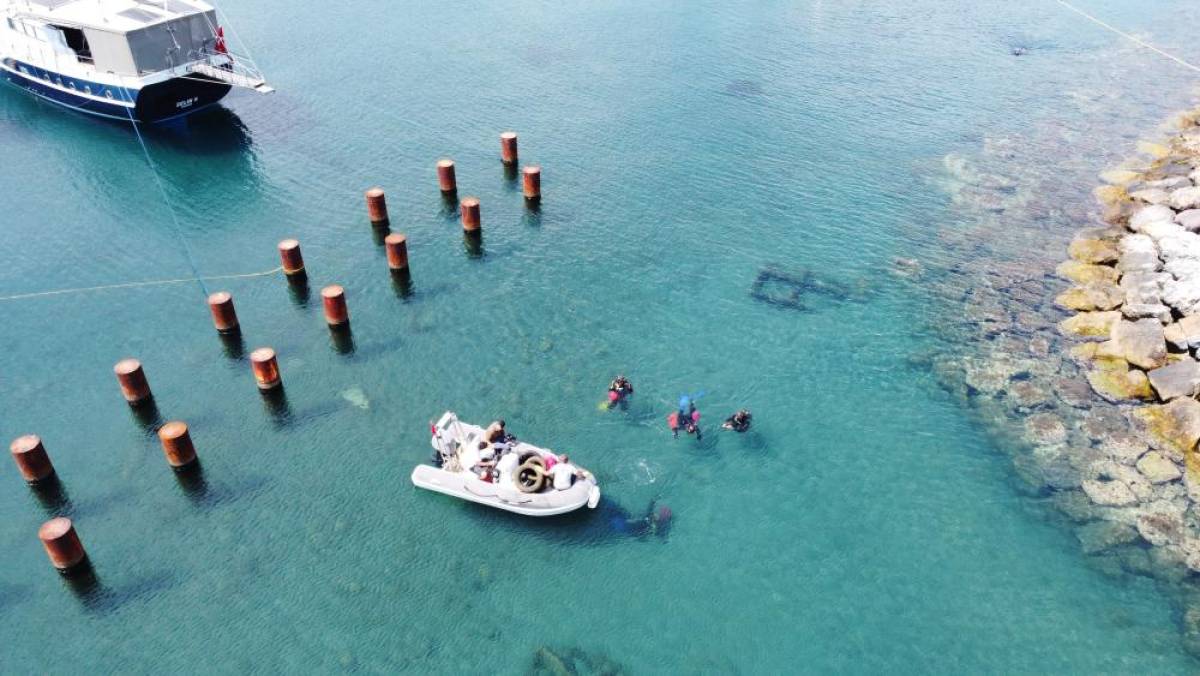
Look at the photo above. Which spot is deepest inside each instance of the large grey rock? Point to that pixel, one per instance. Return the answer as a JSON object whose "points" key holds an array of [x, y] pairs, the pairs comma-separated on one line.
{"points": [[1183, 294], [1140, 343], [1151, 195], [1143, 288], [1181, 379], [1138, 253], [1160, 230], [1150, 214], [1185, 198], [1190, 326], [1170, 183], [1158, 469], [1109, 493], [1158, 312], [1176, 338], [1189, 219]]}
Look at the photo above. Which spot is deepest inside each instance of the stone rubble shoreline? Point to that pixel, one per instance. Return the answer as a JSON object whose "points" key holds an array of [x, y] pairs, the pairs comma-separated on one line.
{"points": [[1102, 382]]}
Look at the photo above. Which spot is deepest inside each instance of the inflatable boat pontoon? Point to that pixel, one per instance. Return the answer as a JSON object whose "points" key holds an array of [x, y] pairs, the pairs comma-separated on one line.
{"points": [[527, 491]]}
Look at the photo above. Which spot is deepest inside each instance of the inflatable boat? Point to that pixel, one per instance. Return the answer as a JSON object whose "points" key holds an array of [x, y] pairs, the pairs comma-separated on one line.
{"points": [[527, 490]]}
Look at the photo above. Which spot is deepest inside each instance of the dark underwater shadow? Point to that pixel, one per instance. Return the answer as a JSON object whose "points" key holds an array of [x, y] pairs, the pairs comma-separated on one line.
{"points": [[608, 524], [214, 131]]}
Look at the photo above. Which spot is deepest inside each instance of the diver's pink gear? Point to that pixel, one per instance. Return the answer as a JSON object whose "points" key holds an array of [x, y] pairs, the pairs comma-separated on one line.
{"points": [[612, 395], [695, 416], [673, 421]]}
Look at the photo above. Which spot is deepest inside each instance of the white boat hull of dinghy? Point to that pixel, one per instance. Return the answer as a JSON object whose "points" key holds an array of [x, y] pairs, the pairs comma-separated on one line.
{"points": [[466, 486]]}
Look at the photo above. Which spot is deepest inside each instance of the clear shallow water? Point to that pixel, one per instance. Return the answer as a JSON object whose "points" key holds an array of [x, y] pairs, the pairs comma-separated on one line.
{"points": [[865, 525]]}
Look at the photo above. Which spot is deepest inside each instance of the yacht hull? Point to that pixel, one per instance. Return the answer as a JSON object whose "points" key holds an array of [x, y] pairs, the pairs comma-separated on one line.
{"points": [[158, 102]]}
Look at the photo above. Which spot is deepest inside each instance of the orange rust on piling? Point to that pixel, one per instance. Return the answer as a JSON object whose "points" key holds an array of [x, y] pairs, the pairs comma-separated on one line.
{"points": [[508, 147], [133, 380], [223, 314], [31, 458], [177, 444], [376, 206], [61, 543], [289, 253], [446, 180], [397, 251], [266, 368], [470, 213], [532, 182], [334, 299]]}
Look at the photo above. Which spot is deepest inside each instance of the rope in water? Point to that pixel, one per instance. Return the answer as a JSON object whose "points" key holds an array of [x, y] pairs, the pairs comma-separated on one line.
{"points": [[187, 250], [1123, 34], [130, 285]]}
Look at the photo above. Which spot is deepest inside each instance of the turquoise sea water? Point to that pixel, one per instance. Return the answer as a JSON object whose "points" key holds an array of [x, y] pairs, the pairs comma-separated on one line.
{"points": [[864, 525]]}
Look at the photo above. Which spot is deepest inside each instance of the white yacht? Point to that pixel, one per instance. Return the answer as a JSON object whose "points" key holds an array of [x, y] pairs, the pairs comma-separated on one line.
{"points": [[143, 60], [527, 489]]}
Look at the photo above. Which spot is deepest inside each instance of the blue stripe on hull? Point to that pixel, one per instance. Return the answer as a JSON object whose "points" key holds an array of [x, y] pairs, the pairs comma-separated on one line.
{"points": [[38, 81], [84, 104]]}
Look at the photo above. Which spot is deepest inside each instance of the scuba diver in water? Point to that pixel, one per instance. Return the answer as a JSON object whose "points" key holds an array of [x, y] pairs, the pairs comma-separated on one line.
{"points": [[687, 417], [738, 422], [619, 391], [656, 521]]}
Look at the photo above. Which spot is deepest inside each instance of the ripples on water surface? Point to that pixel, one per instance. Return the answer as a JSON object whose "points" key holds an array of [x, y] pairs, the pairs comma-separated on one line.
{"points": [[864, 525]]}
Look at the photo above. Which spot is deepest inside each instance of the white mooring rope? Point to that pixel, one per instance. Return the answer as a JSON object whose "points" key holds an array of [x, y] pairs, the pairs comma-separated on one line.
{"points": [[1127, 36], [130, 285]]}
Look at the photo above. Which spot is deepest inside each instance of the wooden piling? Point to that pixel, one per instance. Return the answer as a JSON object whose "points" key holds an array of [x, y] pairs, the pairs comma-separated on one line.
{"points": [[177, 444], [508, 147], [223, 313], [470, 214], [62, 544], [266, 368], [132, 379], [31, 458]]}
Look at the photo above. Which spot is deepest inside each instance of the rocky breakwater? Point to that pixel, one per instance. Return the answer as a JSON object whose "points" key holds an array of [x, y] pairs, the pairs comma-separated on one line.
{"points": [[1136, 332]]}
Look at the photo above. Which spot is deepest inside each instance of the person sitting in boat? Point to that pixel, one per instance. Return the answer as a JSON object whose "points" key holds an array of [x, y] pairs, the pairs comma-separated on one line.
{"points": [[487, 461], [738, 422], [619, 391], [495, 431], [563, 473], [506, 467]]}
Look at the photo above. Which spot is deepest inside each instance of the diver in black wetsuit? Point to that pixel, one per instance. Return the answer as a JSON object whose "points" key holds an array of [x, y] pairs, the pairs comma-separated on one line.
{"points": [[657, 521], [738, 422], [619, 390]]}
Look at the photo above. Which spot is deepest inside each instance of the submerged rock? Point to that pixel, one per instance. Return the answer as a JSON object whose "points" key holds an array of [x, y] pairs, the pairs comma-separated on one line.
{"points": [[1158, 469], [1094, 296], [1099, 536], [1045, 429], [1161, 529], [1086, 273], [1095, 251], [1093, 325], [1119, 176], [1109, 493]]}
